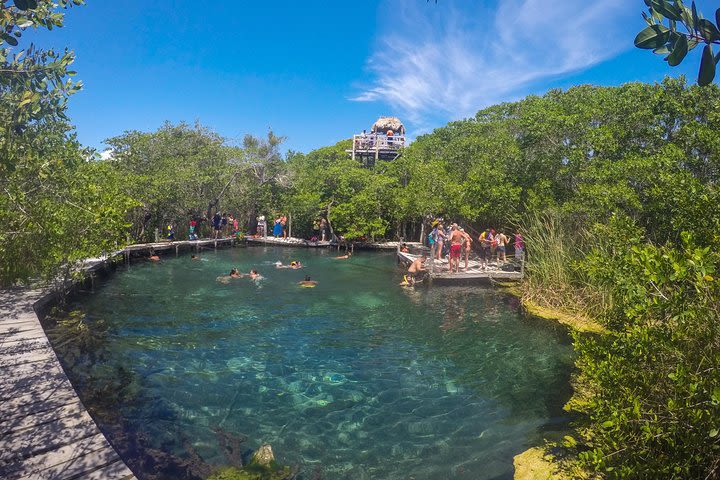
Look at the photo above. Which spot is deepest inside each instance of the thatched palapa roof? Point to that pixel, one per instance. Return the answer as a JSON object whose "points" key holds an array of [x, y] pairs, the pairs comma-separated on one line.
{"points": [[383, 124]]}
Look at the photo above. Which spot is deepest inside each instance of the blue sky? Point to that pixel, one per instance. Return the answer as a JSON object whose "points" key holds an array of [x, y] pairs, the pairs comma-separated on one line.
{"points": [[317, 72]]}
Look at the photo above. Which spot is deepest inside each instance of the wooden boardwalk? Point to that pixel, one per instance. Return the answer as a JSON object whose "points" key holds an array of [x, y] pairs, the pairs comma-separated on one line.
{"points": [[45, 431], [299, 242], [287, 242], [439, 271]]}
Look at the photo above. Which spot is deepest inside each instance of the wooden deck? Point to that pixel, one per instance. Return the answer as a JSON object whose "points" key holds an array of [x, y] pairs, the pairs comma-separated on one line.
{"points": [[181, 244], [474, 272], [299, 242], [287, 242], [45, 431], [385, 245]]}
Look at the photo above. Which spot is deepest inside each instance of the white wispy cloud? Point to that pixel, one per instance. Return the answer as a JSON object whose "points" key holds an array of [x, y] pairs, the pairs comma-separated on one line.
{"points": [[456, 57]]}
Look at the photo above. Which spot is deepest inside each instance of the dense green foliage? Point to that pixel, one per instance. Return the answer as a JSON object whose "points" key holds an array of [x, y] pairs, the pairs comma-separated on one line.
{"points": [[620, 219], [56, 207], [616, 190], [181, 172]]}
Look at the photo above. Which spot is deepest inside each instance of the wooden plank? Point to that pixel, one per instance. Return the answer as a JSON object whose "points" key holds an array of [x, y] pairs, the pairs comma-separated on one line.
{"points": [[22, 346], [12, 424], [89, 458], [115, 471], [54, 460], [20, 336], [45, 432], [478, 275], [52, 378], [46, 437], [47, 364], [17, 320], [8, 359], [29, 403], [12, 330]]}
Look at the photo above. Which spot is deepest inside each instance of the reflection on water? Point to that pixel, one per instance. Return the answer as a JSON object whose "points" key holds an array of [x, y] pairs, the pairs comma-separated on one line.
{"points": [[357, 377]]}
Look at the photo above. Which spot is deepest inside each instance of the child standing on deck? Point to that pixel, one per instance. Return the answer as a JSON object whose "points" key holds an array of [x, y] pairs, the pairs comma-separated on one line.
{"points": [[519, 245], [486, 240]]}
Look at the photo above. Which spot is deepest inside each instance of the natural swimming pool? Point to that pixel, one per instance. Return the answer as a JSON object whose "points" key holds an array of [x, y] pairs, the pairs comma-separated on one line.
{"points": [[356, 378]]}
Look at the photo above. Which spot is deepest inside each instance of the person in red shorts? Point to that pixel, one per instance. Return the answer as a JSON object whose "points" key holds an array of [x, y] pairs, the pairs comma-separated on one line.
{"points": [[456, 239]]}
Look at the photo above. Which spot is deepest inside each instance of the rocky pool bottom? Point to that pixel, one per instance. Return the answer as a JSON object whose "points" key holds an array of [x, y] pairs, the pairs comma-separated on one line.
{"points": [[356, 378]]}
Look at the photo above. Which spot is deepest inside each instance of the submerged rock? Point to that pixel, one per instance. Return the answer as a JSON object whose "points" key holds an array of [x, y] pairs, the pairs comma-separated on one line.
{"points": [[262, 466], [263, 456]]}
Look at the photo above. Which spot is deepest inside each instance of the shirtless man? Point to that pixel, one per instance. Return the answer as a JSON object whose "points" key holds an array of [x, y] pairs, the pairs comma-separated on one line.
{"points": [[415, 268], [456, 240], [234, 273], [307, 282], [502, 241], [343, 257]]}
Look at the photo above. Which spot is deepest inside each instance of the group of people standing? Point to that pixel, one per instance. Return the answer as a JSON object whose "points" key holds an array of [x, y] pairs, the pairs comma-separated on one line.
{"points": [[373, 139], [223, 225], [457, 243], [280, 227]]}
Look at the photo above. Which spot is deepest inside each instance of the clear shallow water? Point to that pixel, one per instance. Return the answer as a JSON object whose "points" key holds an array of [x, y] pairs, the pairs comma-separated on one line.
{"points": [[357, 375]]}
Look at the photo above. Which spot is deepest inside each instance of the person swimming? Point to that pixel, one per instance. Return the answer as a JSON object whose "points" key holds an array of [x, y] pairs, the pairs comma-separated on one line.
{"points": [[307, 283], [234, 273], [343, 257], [295, 265], [254, 275]]}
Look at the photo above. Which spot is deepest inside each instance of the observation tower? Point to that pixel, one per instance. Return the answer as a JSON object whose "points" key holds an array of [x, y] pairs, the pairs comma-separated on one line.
{"points": [[384, 142]]}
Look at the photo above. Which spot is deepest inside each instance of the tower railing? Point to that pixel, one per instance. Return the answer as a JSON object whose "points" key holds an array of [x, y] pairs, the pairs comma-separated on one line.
{"points": [[373, 141]]}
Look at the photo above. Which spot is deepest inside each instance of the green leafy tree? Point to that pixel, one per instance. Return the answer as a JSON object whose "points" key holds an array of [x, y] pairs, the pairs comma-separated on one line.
{"points": [[174, 173], [34, 83], [57, 205]]}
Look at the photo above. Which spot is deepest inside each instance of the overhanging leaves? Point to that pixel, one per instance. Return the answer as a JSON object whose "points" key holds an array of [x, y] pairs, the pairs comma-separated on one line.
{"points": [[652, 37], [679, 51], [707, 67], [708, 30]]}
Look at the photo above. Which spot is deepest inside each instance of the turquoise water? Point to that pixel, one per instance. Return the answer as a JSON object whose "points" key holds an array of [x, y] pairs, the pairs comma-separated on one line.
{"points": [[358, 376]]}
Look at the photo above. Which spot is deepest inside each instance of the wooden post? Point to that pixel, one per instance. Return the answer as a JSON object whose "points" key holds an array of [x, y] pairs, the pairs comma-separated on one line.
{"points": [[157, 236], [176, 250]]}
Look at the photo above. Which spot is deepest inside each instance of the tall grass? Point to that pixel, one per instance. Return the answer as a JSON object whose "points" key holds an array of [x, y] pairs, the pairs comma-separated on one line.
{"points": [[556, 246]]}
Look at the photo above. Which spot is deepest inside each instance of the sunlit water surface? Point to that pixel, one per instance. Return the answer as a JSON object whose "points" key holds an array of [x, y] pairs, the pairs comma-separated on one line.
{"points": [[358, 375]]}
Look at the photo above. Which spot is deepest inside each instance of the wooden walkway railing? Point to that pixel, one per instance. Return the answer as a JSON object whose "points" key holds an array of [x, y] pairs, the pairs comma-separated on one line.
{"points": [[45, 431]]}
